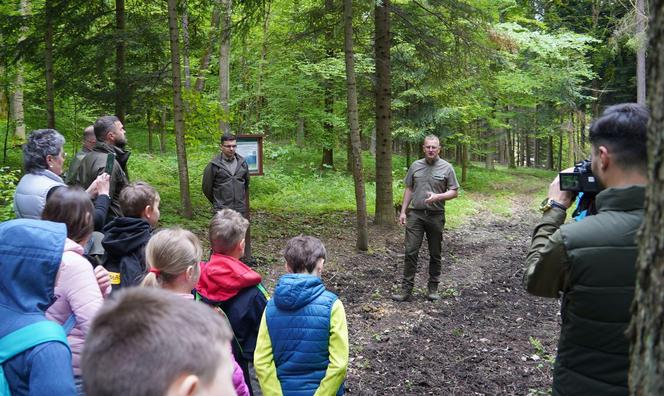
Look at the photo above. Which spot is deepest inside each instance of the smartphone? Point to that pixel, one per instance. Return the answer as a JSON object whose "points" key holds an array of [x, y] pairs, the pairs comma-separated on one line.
{"points": [[110, 160]]}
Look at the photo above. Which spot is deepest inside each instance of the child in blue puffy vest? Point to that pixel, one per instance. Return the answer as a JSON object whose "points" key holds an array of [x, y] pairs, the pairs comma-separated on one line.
{"points": [[302, 346]]}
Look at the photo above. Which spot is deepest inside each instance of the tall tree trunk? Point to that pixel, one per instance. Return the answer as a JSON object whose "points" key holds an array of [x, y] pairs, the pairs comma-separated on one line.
{"points": [[120, 60], [162, 131], [355, 142], [150, 125], [560, 151], [178, 115], [48, 62], [464, 162], [327, 160], [17, 98], [646, 375], [207, 52], [510, 150], [549, 153], [641, 52], [261, 100], [224, 65], [185, 45], [383, 42]]}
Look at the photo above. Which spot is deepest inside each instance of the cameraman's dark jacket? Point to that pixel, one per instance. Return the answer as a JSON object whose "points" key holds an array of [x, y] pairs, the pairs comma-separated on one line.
{"points": [[93, 165], [223, 189], [592, 262]]}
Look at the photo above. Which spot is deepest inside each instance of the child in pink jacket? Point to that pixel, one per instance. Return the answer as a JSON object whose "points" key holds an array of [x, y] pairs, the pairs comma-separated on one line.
{"points": [[79, 289], [173, 256]]}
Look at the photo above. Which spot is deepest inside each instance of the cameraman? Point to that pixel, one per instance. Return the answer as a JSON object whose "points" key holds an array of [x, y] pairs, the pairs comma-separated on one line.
{"points": [[591, 263]]}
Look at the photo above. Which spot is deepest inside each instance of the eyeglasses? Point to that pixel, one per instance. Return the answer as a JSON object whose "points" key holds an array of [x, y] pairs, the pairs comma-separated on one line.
{"points": [[431, 147], [230, 145]]}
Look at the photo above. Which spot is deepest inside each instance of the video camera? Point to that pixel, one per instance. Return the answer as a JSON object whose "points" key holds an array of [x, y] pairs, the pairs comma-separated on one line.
{"points": [[579, 180]]}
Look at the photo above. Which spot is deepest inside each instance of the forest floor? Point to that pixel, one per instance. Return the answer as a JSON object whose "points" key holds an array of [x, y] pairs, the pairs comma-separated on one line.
{"points": [[486, 336]]}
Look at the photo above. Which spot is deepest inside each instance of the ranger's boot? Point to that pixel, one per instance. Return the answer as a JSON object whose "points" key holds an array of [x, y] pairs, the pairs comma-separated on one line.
{"points": [[405, 295], [432, 294]]}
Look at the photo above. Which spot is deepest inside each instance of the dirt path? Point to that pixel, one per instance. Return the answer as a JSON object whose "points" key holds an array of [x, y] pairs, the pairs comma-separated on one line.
{"points": [[476, 340]]}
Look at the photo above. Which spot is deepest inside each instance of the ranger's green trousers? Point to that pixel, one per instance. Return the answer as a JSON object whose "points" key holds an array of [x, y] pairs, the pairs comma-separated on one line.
{"points": [[420, 222]]}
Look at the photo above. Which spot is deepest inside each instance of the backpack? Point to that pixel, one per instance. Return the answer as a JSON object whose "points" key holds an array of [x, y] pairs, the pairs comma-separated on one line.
{"points": [[27, 337], [221, 312]]}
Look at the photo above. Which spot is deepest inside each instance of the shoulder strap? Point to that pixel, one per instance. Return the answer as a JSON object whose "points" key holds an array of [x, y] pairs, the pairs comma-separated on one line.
{"points": [[221, 312], [69, 324], [25, 338], [263, 290]]}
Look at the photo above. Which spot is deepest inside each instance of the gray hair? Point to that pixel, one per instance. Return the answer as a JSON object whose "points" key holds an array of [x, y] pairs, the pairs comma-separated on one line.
{"points": [[89, 131], [432, 137], [303, 252], [227, 229], [104, 125], [41, 143]]}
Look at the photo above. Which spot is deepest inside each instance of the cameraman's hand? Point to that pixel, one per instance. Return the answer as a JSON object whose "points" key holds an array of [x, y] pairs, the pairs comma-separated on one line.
{"points": [[402, 218], [562, 197]]}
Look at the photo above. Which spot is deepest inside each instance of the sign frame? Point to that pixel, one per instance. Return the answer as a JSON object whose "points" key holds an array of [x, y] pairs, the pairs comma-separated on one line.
{"points": [[251, 144]]}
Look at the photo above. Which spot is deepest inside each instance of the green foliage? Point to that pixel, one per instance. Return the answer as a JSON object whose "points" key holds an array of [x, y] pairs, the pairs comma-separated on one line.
{"points": [[8, 181]]}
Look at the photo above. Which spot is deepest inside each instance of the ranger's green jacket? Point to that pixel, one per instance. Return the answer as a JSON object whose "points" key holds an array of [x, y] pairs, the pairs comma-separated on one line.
{"points": [[591, 263], [94, 164]]}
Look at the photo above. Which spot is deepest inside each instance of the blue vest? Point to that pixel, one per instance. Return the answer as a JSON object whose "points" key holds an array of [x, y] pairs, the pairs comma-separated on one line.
{"points": [[298, 321]]}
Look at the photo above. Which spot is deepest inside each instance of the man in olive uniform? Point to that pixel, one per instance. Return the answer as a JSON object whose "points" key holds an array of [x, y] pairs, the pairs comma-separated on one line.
{"points": [[226, 182], [111, 139], [89, 142], [430, 182], [591, 264]]}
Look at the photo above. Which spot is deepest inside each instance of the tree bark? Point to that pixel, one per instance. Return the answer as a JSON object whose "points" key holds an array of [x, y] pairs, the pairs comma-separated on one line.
{"points": [[162, 131], [327, 160], [464, 162], [261, 100], [384, 199], [48, 63], [120, 60], [549, 153], [640, 52], [224, 65], [646, 375], [185, 45], [178, 115], [207, 52], [19, 81], [362, 242], [150, 125]]}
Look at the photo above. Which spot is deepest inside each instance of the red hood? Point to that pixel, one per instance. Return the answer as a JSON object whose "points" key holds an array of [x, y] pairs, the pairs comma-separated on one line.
{"points": [[224, 276]]}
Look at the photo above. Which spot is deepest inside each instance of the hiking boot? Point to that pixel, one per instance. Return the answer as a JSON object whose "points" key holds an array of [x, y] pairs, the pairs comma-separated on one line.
{"points": [[432, 294], [402, 297]]}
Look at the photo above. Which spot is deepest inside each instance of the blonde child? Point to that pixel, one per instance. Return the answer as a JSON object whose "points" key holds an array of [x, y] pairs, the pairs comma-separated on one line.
{"points": [[173, 256]]}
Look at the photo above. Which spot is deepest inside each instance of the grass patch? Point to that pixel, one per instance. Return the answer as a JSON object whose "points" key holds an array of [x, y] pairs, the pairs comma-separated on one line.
{"points": [[294, 185]]}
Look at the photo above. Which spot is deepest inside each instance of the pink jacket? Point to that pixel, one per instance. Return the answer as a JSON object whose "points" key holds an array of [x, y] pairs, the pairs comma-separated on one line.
{"points": [[77, 292], [238, 376]]}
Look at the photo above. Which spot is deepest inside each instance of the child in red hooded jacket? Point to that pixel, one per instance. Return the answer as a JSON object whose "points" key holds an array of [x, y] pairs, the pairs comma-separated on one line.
{"points": [[229, 284]]}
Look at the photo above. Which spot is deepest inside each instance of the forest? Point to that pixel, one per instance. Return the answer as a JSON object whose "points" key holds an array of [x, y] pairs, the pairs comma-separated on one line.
{"points": [[343, 93]]}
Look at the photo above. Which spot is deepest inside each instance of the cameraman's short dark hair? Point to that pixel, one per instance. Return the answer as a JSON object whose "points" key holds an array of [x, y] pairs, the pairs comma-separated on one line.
{"points": [[135, 197], [623, 129], [227, 136], [104, 125], [303, 252], [144, 339]]}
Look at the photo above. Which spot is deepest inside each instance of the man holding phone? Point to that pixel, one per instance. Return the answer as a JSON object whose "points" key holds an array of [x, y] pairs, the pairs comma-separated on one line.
{"points": [[108, 155]]}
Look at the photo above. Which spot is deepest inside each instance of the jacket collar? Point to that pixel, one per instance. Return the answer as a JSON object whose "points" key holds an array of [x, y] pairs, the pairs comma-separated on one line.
{"points": [[621, 198], [122, 156], [49, 174]]}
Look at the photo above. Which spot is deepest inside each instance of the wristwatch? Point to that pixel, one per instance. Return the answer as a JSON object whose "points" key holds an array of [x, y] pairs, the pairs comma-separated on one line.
{"points": [[550, 203]]}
